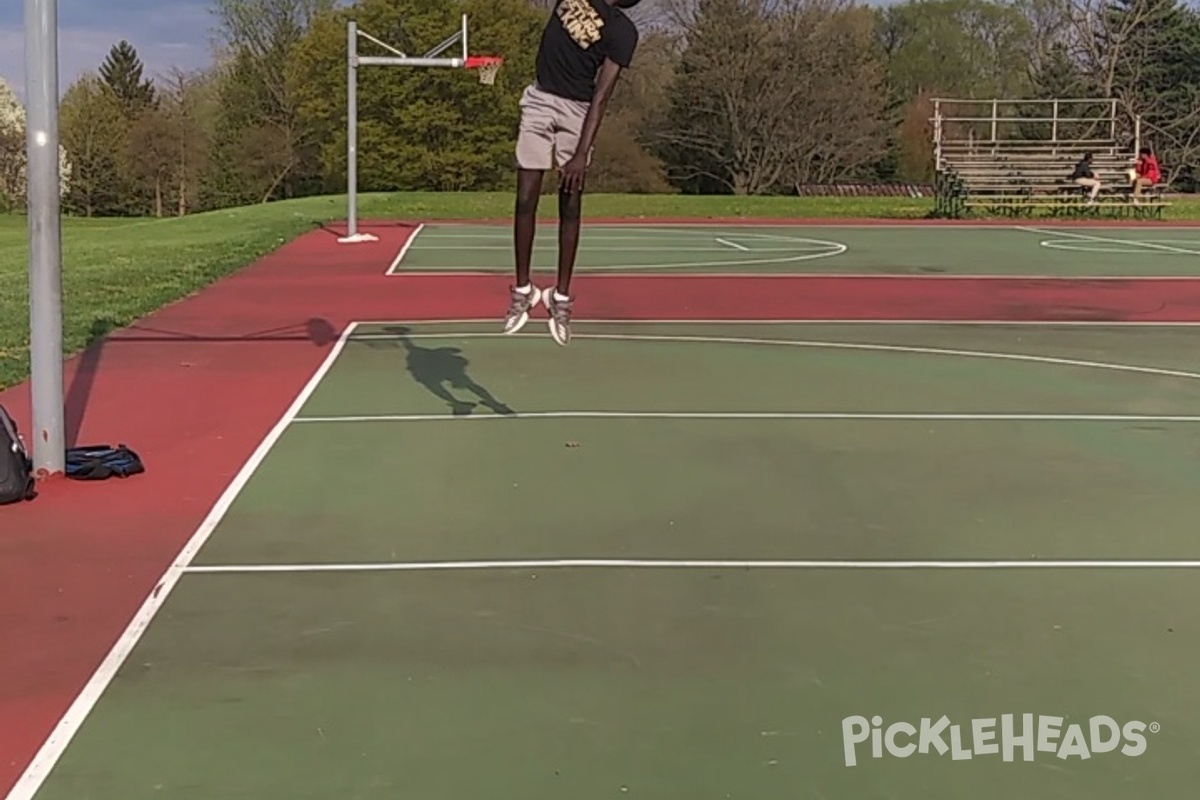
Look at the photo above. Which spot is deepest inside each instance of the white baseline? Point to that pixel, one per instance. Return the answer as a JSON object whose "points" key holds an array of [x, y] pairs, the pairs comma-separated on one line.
{"points": [[667, 563]]}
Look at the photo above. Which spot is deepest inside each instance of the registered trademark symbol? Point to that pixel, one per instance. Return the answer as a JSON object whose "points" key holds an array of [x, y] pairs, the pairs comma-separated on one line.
{"points": [[1155, 727]]}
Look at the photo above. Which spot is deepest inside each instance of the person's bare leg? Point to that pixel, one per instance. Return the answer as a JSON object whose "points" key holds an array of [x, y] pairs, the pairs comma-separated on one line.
{"points": [[558, 300], [529, 191], [524, 294], [570, 207]]}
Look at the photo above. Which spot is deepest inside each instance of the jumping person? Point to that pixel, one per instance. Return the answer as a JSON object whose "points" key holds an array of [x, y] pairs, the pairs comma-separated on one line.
{"points": [[585, 46]]}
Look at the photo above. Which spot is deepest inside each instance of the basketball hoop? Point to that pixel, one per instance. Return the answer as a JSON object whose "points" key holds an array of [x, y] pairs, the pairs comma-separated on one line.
{"points": [[488, 67]]}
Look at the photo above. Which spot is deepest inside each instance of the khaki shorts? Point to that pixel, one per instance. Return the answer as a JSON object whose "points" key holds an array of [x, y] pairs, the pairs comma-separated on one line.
{"points": [[550, 129]]}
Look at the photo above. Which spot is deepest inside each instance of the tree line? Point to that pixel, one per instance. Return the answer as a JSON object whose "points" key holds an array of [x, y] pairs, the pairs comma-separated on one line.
{"points": [[726, 96]]}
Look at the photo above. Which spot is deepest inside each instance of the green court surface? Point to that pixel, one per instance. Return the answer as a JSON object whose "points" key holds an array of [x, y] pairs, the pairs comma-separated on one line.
{"points": [[843, 249], [355, 626]]}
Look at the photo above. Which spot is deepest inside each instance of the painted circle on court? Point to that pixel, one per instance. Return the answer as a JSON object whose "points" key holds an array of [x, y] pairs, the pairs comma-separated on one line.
{"points": [[735, 249], [1154, 247], [746, 249]]}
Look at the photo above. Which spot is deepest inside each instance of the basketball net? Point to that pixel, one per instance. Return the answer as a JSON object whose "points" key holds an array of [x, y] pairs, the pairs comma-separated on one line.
{"points": [[488, 68]]}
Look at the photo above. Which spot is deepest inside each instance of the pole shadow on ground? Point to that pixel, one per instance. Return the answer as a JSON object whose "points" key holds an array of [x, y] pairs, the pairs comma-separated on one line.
{"points": [[441, 369], [317, 330]]}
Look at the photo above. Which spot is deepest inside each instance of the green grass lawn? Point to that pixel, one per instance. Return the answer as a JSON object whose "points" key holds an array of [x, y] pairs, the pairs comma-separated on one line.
{"points": [[117, 270]]}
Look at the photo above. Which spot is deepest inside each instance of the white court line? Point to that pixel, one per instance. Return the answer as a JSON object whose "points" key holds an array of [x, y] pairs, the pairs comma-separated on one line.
{"points": [[1109, 240], [666, 563], [658, 270], [674, 270], [734, 245], [615, 272], [818, 345], [801, 224], [504, 237], [1085, 323], [391, 270], [594, 248], [832, 250], [52, 749], [764, 415]]}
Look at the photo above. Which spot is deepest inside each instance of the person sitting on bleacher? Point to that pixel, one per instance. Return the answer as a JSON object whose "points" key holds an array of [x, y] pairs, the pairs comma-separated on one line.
{"points": [[1146, 172], [1083, 176]]}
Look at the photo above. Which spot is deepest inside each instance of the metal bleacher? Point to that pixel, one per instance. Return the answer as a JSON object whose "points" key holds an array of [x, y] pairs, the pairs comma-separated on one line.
{"points": [[1015, 157]]}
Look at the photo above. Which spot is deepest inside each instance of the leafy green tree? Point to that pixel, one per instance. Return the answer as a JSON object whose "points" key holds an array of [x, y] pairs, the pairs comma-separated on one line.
{"points": [[190, 108], [957, 48], [263, 150], [151, 161], [913, 148], [94, 130], [419, 129]]}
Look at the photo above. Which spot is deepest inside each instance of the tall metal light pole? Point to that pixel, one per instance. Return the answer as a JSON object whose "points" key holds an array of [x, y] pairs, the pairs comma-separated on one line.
{"points": [[45, 236]]}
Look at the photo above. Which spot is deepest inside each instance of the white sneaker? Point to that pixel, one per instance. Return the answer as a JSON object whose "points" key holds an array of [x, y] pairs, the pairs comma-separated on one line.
{"points": [[560, 316], [520, 306]]}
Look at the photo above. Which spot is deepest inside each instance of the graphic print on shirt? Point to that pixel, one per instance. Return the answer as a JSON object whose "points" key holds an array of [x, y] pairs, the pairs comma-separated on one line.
{"points": [[581, 22]]}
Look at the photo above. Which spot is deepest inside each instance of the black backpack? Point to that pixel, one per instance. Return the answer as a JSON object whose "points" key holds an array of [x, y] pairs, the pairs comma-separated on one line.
{"points": [[16, 468], [101, 461]]}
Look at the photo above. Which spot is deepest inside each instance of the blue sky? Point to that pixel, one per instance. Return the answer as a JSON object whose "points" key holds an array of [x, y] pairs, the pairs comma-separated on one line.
{"points": [[166, 33]]}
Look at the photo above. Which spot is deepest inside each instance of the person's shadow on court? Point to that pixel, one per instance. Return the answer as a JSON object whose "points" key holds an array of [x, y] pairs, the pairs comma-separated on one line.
{"points": [[440, 369]]}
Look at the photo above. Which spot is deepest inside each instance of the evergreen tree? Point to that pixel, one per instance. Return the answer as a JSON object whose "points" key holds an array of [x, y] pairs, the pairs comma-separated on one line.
{"points": [[122, 72], [1058, 76], [1157, 74]]}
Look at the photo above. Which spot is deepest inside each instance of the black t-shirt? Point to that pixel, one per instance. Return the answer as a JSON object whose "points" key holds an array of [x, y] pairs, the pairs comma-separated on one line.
{"points": [[577, 39]]}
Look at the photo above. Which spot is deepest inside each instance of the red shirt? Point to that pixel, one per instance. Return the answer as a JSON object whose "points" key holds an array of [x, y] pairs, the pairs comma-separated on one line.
{"points": [[1147, 167]]}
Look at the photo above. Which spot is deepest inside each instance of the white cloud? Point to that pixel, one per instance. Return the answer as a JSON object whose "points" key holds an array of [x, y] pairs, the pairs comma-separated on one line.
{"points": [[170, 35]]}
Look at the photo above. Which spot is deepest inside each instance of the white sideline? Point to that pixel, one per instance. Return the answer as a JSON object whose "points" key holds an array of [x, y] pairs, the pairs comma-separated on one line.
{"points": [[395, 265], [881, 416], [667, 563]]}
